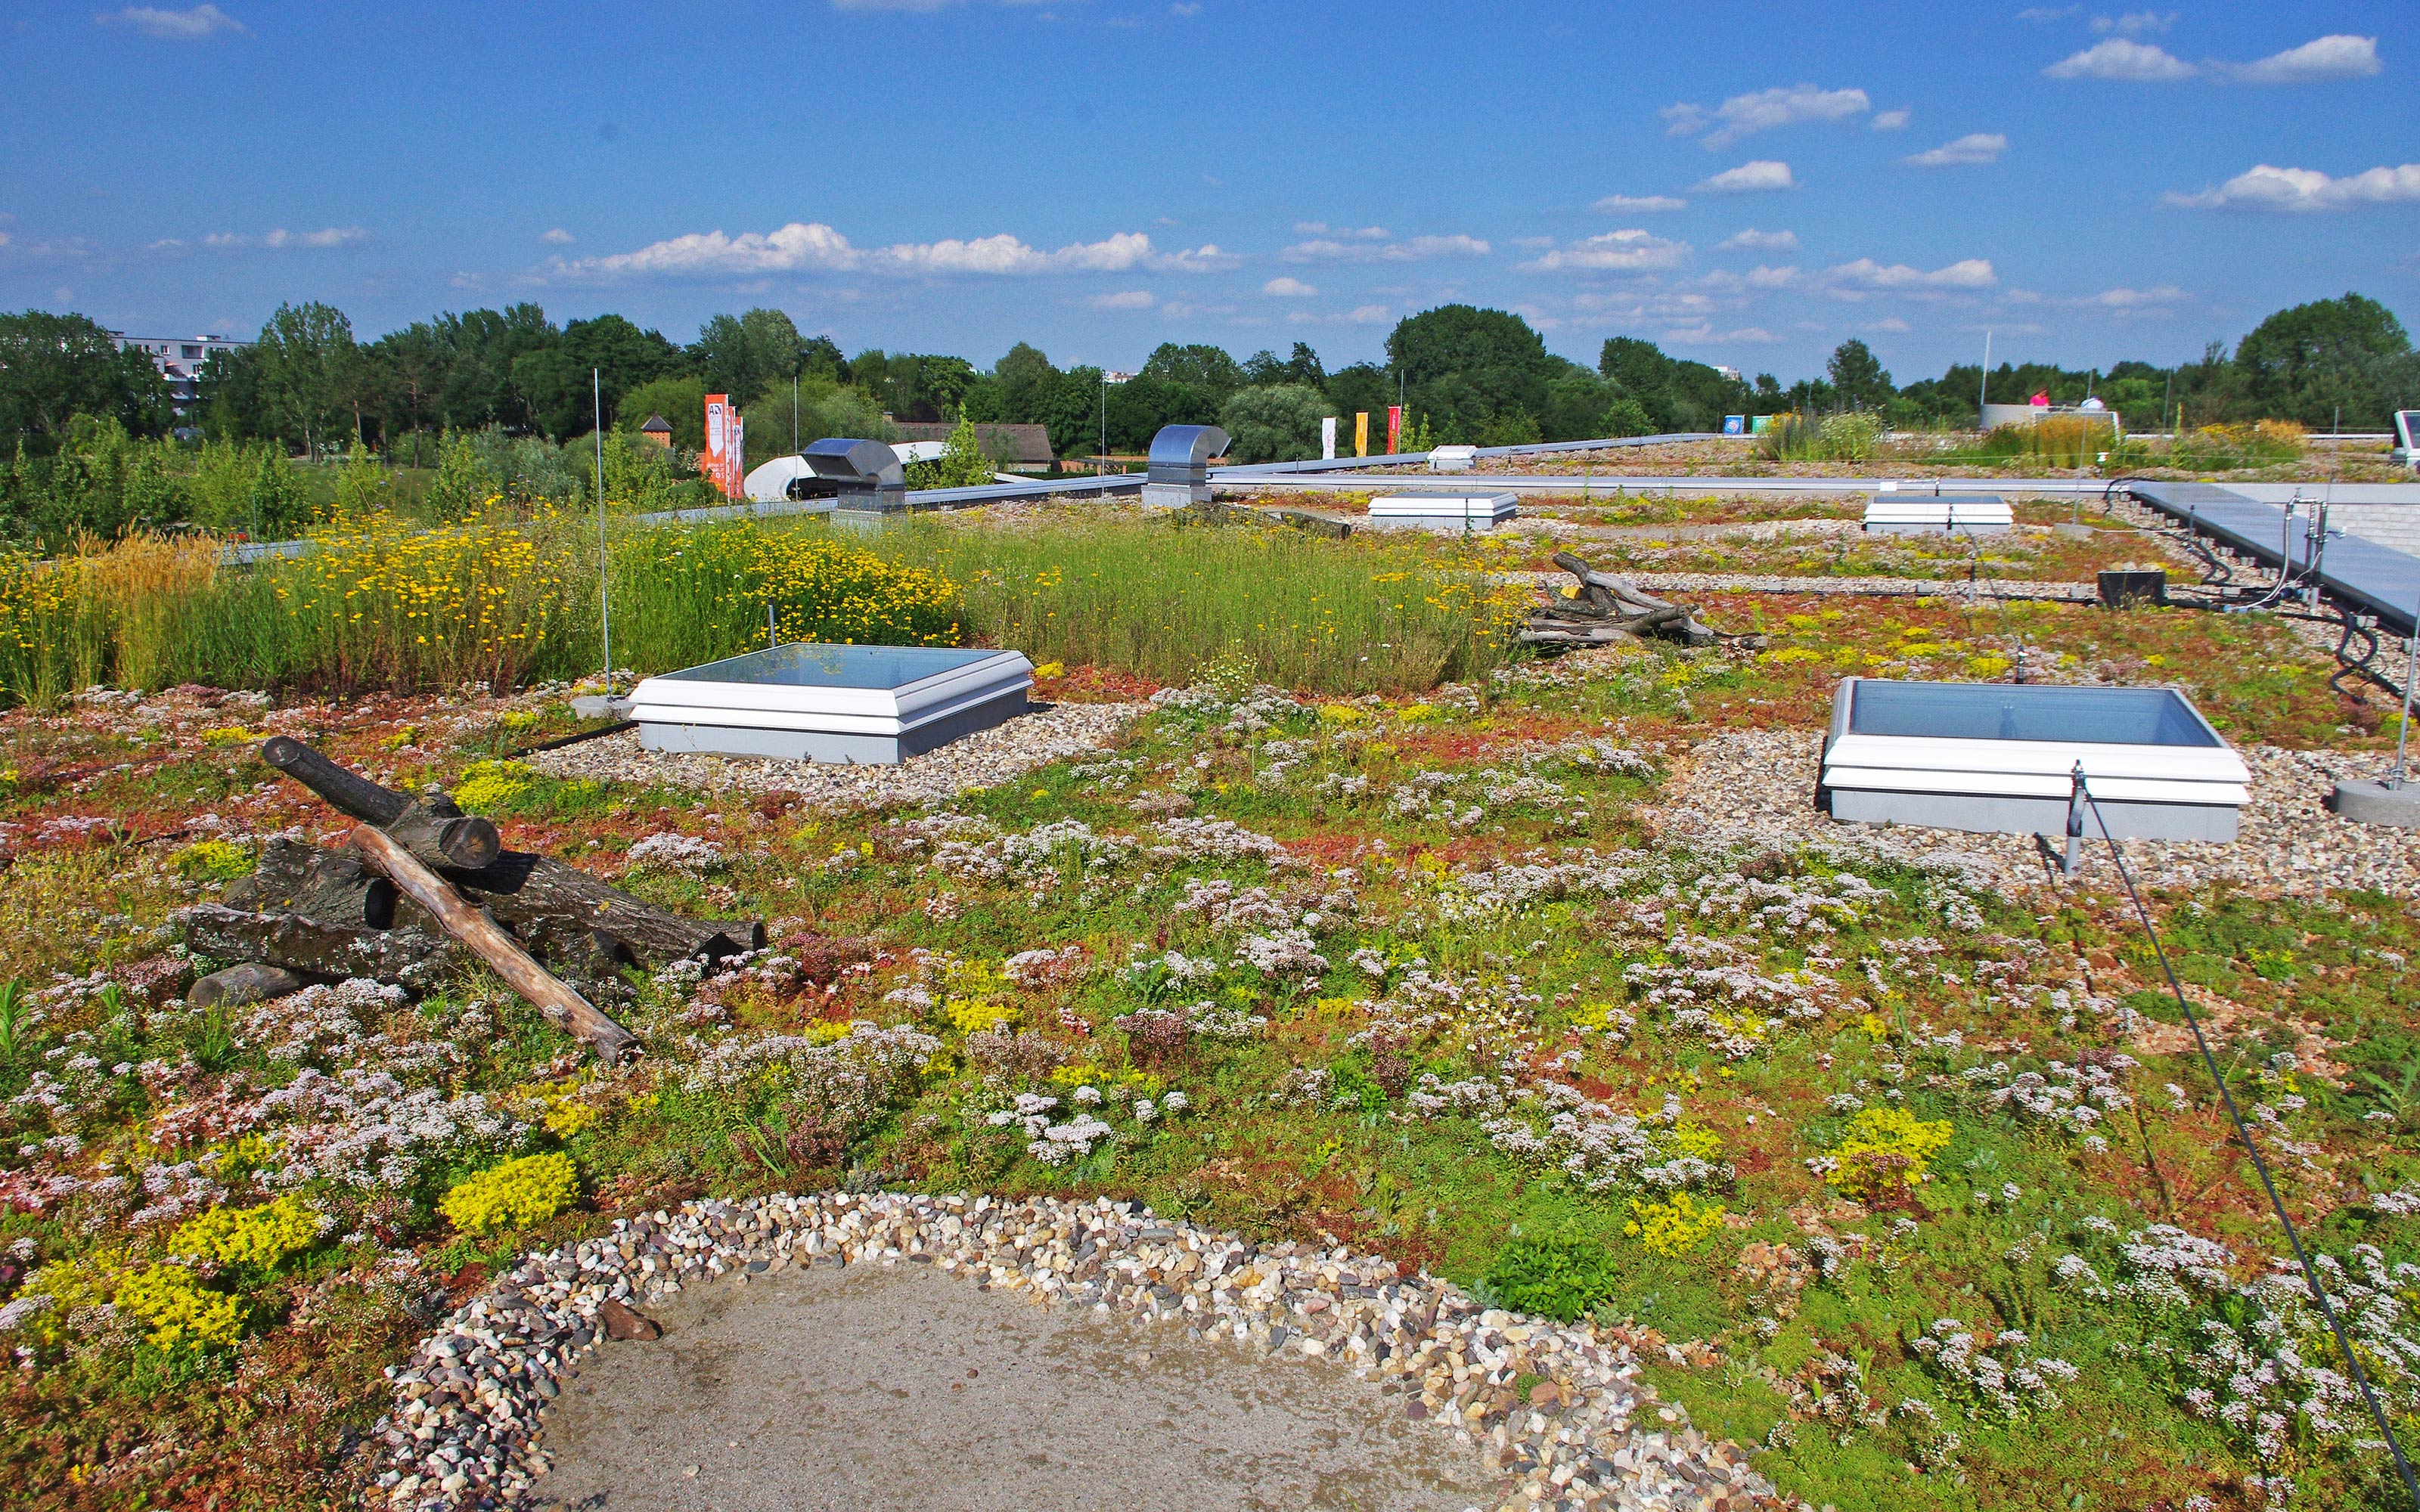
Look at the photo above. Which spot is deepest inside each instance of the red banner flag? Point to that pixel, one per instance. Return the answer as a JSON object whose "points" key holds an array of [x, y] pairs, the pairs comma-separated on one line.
{"points": [[1394, 428], [722, 461]]}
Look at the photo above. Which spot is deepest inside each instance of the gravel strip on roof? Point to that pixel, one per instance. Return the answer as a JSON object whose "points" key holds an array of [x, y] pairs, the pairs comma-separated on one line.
{"points": [[984, 759], [1757, 788]]}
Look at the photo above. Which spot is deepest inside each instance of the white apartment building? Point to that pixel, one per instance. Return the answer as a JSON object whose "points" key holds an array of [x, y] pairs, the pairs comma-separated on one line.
{"points": [[180, 360]]}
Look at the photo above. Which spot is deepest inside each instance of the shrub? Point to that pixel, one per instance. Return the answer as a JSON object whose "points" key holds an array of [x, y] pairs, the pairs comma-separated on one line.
{"points": [[1556, 1278], [512, 1196], [1277, 424], [961, 464], [1851, 437], [1628, 417]]}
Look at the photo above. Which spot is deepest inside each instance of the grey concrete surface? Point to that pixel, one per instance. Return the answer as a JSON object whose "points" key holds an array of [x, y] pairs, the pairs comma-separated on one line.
{"points": [[862, 1388]]}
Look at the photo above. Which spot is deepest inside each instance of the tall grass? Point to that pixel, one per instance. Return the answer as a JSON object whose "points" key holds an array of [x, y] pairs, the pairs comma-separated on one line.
{"points": [[1850, 436], [685, 594], [1161, 599], [100, 613], [380, 603]]}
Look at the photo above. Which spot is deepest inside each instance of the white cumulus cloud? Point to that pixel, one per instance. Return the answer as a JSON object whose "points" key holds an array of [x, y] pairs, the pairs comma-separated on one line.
{"points": [[1973, 150], [558, 238], [1320, 228], [1288, 288], [1366, 249], [2304, 191], [173, 25], [1360, 315], [1704, 334], [281, 238], [2128, 62], [1749, 178], [1132, 299], [815, 247], [1892, 120], [1866, 276], [2136, 23], [1639, 204], [1616, 252], [1753, 239], [2137, 299], [2325, 57], [1745, 115]]}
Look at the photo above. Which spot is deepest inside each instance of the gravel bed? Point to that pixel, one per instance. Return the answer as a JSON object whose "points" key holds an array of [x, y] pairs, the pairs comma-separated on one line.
{"points": [[1865, 587], [1758, 788], [1732, 583], [984, 759], [470, 1400]]}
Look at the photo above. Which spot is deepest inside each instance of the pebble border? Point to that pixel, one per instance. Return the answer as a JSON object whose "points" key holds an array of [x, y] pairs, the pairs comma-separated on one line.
{"points": [[469, 1399]]}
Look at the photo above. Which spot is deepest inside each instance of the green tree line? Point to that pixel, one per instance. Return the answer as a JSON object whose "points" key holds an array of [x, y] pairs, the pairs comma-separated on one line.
{"points": [[310, 386]]}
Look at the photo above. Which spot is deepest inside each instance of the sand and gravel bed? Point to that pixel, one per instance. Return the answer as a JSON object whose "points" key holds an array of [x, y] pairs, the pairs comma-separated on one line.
{"points": [[984, 759]]}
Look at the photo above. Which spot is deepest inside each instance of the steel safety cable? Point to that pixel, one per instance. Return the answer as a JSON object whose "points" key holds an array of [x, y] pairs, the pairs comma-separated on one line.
{"points": [[2083, 797]]}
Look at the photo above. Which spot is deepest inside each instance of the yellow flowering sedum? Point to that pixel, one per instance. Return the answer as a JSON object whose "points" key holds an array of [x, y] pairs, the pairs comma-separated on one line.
{"points": [[1676, 1227], [513, 1195], [259, 1236], [183, 1312], [566, 1118], [490, 784], [1885, 1152], [211, 860]]}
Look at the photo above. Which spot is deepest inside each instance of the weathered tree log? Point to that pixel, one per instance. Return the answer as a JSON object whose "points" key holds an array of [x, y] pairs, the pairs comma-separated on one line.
{"points": [[1620, 605], [440, 834], [409, 958], [526, 892], [545, 991], [335, 888]]}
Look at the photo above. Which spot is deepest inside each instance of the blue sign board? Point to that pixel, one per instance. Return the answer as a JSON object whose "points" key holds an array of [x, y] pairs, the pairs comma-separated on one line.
{"points": [[1735, 424]]}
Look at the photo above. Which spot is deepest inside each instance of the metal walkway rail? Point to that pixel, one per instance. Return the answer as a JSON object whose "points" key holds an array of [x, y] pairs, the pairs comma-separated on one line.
{"points": [[2369, 577]]}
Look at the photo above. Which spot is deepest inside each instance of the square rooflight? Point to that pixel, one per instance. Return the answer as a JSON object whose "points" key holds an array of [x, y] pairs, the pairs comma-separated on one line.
{"points": [[2000, 758], [808, 701]]}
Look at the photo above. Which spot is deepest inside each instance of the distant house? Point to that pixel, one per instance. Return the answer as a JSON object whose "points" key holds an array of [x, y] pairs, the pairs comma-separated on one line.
{"points": [[659, 430], [180, 360], [1017, 448]]}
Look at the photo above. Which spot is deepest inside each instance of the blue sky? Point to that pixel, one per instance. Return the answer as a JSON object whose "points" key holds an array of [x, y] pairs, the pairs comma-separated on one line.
{"points": [[1742, 184]]}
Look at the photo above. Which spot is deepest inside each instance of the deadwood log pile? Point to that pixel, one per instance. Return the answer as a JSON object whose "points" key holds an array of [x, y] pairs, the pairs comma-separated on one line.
{"points": [[1607, 609], [421, 887]]}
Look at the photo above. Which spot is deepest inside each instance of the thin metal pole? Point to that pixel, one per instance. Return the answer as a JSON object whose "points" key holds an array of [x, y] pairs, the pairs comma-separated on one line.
{"points": [[2411, 663], [604, 584], [1983, 387]]}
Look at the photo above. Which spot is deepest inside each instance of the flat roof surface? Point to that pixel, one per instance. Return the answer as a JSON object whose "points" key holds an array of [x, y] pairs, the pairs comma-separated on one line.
{"points": [[2032, 711], [814, 664]]}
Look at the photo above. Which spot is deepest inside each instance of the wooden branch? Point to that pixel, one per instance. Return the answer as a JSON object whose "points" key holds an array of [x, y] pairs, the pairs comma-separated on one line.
{"points": [[531, 893], [527, 891], [563, 1007], [438, 833]]}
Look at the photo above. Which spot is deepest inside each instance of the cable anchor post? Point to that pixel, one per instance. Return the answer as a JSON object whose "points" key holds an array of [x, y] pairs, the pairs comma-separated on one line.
{"points": [[2075, 801]]}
